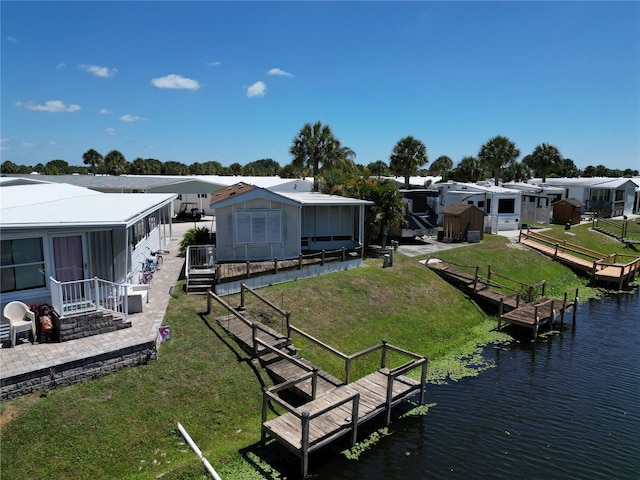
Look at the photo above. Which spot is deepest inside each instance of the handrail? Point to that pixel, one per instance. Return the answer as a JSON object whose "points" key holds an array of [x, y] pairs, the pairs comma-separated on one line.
{"points": [[91, 294], [244, 287], [329, 348], [552, 241]]}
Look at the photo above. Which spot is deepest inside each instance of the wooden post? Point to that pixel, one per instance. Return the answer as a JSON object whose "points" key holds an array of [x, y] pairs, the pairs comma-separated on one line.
{"points": [[242, 296], [248, 269], [344, 254], [387, 419], [530, 294], [555, 254], [288, 319], [383, 361], [564, 306], [299, 261], [254, 330], [305, 443], [347, 368], [500, 307], [489, 272], [314, 383], [423, 380], [354, 419], [322, 261], [575, 307], [265, 404], [475, 281], [544, 287], [208, 303], [536, 322], [275, 265]]}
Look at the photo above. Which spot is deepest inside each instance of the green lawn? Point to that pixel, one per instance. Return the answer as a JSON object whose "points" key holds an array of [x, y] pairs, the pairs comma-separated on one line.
{"points": [[125, 425]]}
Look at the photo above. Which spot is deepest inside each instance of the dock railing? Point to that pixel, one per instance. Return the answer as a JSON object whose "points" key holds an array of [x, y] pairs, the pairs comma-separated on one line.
{"points": [[88, 295]]}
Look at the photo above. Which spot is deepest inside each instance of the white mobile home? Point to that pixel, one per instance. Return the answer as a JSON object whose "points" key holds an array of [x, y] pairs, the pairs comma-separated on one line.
{"points": [[257, 224], [502, 206], [63, 233], [537, 201], [608, 197]]}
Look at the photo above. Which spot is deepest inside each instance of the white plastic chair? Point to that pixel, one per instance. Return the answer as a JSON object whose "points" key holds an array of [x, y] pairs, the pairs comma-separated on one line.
{"points": [[21, 319]]}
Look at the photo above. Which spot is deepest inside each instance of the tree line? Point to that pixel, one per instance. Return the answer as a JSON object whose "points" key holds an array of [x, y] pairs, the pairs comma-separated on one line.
{"points": [[316, 152]]}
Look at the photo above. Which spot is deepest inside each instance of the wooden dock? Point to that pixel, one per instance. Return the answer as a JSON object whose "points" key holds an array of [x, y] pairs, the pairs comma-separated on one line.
{"points": [[330, 407], [618, 269], [534, 311]]}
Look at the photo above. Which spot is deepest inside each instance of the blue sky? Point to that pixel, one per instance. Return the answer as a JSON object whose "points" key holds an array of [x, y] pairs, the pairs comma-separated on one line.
{"points": [[235, 81]]}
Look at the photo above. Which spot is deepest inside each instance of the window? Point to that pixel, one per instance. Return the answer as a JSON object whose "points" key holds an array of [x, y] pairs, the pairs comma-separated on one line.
{"points": [[22, 264], [506, 205], [258, 226], [619, 195]]}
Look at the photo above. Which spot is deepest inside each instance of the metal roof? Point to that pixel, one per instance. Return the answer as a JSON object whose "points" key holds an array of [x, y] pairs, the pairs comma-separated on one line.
{"points": [[307, 199], [181, 184], [588, 182], [57, 205]]}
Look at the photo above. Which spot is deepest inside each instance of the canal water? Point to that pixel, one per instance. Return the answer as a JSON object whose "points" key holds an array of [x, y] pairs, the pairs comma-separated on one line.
{"points": [[565, 407]]}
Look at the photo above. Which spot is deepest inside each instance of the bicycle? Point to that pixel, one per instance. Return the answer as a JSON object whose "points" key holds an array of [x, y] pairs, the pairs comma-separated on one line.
{"points": [[154, 262]]}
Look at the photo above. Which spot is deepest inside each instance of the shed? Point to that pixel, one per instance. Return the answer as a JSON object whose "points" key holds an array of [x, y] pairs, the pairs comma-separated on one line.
{"points": [[568, 210], [462, 222]]}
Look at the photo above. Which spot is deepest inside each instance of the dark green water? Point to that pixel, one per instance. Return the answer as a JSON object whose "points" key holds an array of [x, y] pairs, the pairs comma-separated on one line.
{"points": [[566, 407]]}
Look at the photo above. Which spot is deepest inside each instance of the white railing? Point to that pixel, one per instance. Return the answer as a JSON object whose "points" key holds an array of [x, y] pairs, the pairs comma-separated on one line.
{"points": [[201, 256], [89, 295]]}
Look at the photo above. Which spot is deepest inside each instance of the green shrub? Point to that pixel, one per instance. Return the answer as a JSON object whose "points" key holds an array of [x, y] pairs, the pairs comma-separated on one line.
{"points": [[197, 236]]}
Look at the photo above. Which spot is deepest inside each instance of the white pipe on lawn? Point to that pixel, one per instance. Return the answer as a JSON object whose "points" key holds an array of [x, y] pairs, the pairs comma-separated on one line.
{"points": [[195, 448]]}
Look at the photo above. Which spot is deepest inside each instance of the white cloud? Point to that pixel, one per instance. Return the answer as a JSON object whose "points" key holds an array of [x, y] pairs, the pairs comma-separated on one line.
{"points": [[258, 89], [110, 131], [3, 143], [105, 111], [60, 65], [28, 145], [281, 73], [132, 118], [175, 81], [53, 106], [98, 71], [214, 64], [52, 142], [12, 39]]}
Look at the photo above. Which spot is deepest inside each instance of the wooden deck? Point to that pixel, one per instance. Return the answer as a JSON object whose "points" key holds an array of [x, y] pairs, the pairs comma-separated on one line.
{"points": [[330, 407], [617, 269], [233, 271], [529, 313], [539, 314]]}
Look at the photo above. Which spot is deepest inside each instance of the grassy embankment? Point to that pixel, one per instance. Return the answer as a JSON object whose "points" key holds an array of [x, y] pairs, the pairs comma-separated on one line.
{"points": [[125, 425]]}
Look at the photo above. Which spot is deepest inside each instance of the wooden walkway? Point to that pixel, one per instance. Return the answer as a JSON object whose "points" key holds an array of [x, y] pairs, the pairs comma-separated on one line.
{"points": [[330, 408], [532, 312], [618, 269]]}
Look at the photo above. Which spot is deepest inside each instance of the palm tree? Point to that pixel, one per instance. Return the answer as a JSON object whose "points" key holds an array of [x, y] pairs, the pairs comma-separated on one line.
{"points": [[497, 152], [93, 159], [115, 163], [378, 168], [469, 169], [516, 172], [407, 155], [315, 147], [544, 158], [441, 165]]}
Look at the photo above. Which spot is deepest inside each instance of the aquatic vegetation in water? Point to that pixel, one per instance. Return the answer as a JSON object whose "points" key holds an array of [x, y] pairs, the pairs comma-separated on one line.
{"points": [[354, 452], [418, 410], [467, 361]]}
